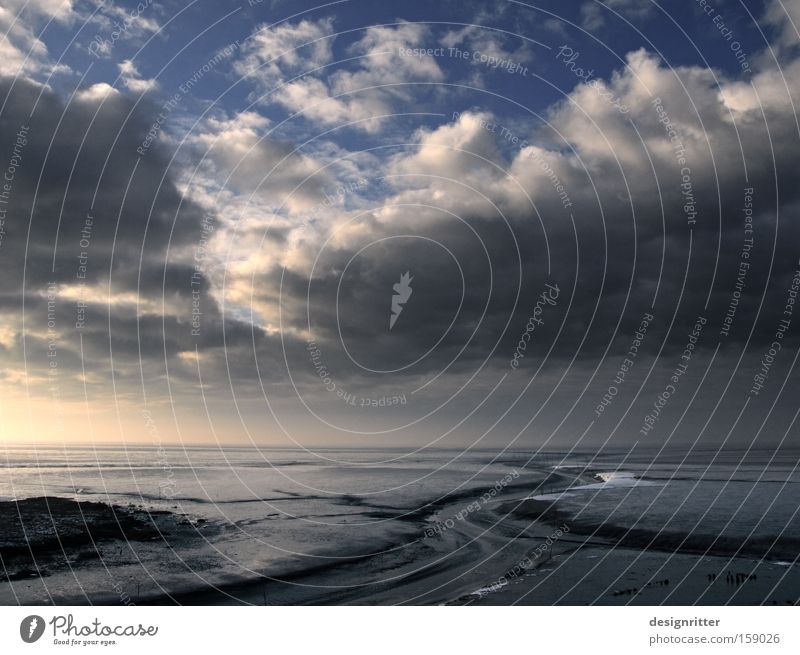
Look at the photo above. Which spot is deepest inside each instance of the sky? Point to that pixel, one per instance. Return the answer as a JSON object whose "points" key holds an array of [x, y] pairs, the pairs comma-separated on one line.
{"points": [[400, 224]]}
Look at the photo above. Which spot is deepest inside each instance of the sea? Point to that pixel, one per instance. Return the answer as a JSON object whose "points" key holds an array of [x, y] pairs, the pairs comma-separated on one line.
{"points": [[270, 525]]}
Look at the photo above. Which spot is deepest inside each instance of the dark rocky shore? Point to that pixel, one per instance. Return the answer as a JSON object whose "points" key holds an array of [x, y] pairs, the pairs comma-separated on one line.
{"points": [[49, 533]]}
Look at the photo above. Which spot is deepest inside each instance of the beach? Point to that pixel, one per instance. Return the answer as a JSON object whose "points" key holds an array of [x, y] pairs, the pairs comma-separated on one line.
{"points": [[480, 529]]}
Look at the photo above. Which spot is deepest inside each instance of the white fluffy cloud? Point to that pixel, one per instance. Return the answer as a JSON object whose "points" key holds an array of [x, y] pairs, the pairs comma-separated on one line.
{"points": [[132, 80], [96, 93], [784, 16], [363, 92], [21, 50], [273, 52], [241, 156]]}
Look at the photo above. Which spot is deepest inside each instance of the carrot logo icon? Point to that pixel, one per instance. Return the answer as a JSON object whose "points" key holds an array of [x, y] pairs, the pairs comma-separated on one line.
{"points": [[31, 628], [402, 292]]}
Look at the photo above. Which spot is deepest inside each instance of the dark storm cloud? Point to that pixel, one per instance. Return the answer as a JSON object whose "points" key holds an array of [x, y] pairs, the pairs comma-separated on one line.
{"points": [[90, 222], [80, 161], [598, 202], [634, 203]]}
